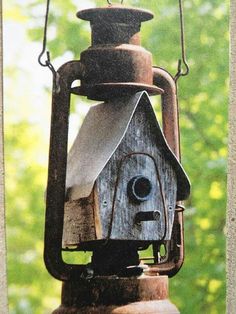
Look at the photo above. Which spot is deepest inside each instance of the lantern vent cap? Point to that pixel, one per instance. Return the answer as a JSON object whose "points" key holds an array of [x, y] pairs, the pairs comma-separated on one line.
{"points": [[115, 14]]}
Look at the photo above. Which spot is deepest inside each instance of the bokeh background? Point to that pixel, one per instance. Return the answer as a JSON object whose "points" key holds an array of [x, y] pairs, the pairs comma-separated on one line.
{"points": [[203, 96]]}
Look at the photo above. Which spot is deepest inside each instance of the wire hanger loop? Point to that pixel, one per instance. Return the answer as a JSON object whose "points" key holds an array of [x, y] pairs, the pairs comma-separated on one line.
{"points": [[183, 59], [47, 62]]}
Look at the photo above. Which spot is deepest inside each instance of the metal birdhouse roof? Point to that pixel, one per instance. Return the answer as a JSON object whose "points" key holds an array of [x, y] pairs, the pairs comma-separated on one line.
{"points": [[99, 136]]}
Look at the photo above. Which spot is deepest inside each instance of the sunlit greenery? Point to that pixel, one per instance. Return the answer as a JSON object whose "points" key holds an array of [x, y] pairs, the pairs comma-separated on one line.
{"points": [[200, 285]]}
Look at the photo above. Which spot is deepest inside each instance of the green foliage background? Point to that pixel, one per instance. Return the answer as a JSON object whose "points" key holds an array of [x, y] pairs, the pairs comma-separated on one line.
{"points": [[200, 285]]}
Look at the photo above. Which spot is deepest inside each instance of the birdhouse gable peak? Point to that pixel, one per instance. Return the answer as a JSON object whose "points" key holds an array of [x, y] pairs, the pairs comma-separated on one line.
{"points": [[101, 133]]}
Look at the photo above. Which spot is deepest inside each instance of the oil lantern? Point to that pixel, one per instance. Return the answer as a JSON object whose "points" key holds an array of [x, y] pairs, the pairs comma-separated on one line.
{"points": [[119, 189]]}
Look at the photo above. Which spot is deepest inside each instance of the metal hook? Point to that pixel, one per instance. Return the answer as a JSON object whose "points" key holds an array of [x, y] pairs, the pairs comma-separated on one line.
{"points": [[44, 37], [47, 63], [179, 71], [40, 59], [110, 3], [182, 40], [56, 76]]}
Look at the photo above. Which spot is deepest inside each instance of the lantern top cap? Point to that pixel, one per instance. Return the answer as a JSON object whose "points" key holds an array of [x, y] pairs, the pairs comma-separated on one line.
{"points": [[115, 14]]}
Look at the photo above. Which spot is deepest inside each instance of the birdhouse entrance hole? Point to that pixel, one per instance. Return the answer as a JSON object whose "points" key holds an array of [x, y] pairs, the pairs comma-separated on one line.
{"points": [[139, 188]]}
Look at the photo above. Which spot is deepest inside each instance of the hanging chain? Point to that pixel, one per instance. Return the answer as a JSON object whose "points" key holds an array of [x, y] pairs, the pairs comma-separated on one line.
{"points": [[47, 62], [110, 3], [182, 41]]}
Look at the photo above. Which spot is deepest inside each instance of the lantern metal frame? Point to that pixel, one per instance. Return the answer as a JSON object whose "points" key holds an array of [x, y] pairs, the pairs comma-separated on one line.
{"points": [[55, 198]]}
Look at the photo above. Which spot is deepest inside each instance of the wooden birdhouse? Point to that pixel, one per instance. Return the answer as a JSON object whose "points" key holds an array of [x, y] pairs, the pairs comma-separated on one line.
{"points": [[123, 180]]}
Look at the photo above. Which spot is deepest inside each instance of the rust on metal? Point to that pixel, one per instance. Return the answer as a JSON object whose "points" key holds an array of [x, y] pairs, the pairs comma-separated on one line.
{"points": [[114, 65], [170, 122], [117, 295], [142, 307], [55, 196]]}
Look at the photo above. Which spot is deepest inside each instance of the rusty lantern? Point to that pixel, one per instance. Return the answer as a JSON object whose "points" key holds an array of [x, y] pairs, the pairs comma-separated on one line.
{"points": [[119, 189]]}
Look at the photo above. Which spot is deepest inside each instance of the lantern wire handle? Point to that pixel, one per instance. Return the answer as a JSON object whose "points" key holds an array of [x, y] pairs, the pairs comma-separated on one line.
{"points": [[182, 41], [110, 3], [47, 62]]}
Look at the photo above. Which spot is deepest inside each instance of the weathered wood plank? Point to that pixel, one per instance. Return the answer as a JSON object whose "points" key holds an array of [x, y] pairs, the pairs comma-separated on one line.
{"points": [[79, 222], [123, 223], [140, 137]]}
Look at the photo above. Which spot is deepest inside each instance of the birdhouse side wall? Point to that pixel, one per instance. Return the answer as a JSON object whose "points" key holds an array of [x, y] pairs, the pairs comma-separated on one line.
{"points": [[81, 222]]}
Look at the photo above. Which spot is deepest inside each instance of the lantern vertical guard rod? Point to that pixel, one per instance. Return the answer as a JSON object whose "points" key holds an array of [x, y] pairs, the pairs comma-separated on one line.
{"points": [[170, 122], [55, 197]]}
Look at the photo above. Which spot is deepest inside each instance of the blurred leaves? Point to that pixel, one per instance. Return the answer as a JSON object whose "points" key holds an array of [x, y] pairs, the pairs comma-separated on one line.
{"points": [[203, 98], [25, 181]]}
